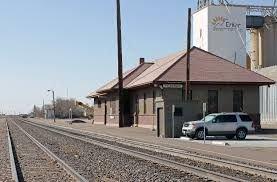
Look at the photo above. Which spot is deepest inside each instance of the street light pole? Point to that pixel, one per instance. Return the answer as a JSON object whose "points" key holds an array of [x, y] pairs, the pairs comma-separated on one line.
{"points": [[54, 105]]}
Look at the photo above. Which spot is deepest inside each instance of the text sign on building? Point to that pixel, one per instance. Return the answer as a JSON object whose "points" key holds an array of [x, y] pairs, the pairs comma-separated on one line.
{"points": [[222, 23], [172, 86]]}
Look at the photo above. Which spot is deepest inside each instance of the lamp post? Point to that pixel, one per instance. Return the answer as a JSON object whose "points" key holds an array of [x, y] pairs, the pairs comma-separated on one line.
{"points": [[54, 107]]}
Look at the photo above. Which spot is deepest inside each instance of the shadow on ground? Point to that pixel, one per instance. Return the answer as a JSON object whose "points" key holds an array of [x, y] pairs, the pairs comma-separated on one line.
{"points": [[267, 131], [76, 121]]}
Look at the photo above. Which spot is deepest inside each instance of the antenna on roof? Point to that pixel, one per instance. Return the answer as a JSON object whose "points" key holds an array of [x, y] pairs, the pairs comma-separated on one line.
{"points": [[203, 3]]}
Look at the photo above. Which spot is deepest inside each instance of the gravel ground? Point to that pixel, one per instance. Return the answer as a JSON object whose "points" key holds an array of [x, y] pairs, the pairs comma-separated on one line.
{"points": [[32, 163], [5, 167], [209, 166], [100, 164]]}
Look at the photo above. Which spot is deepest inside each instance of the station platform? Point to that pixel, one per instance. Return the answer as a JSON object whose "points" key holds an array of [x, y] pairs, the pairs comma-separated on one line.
{"points": [[260, 155]]}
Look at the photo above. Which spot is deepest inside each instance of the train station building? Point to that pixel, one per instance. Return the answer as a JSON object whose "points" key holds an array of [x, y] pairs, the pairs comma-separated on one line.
{"points": [[152, 88]]}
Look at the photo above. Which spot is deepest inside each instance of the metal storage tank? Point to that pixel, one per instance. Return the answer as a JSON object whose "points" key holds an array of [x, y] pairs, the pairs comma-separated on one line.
{"points": [[263, 46], [269, 45]]}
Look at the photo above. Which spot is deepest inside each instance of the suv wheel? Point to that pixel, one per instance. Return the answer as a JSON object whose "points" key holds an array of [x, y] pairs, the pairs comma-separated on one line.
{"points": [[241, 134], [200, 134], [230, 136]]}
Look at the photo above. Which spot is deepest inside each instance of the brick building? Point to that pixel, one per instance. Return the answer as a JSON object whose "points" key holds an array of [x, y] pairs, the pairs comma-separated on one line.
{"points": [[151, 88]]}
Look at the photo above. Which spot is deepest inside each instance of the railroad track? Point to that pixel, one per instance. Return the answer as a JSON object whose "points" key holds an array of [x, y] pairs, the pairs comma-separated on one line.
{"points": [[213, 175], [252, 169], [31, 161], [5, 165]]}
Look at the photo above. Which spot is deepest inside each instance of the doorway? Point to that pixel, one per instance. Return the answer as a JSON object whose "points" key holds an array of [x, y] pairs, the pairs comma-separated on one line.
{"points": [[136, 110], [105, 116], [160, 121]]}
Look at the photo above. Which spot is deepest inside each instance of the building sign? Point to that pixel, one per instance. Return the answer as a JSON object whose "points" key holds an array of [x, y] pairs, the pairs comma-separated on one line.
{"points": [[172, 86], [221, 23]]}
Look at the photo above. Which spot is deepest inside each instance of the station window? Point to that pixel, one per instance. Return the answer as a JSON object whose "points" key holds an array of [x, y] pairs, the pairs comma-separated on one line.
{"points": [[212, 101], [237, 100], [154, 102], [178, 111], [144, 103], [113, 105], [99, 103]]}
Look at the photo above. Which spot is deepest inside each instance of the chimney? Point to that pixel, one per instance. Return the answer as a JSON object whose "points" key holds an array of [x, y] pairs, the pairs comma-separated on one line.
{"points": [[141, 60]]}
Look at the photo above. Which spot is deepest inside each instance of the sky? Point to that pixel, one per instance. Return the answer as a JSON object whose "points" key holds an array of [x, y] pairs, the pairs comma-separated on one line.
{"points": [[70, 46]]}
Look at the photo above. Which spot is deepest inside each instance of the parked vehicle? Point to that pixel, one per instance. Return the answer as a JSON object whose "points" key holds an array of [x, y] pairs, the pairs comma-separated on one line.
{"points": [[220, 124], [24, 115]]}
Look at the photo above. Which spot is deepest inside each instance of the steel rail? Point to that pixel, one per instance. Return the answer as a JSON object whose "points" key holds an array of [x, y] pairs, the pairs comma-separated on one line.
{"points": [[11, 152], [66, 167], [173, 151], [212, 175], [181, 153]]}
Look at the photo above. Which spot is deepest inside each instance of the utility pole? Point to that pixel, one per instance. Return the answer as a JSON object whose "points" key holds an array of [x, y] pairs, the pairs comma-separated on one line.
{"points": [[54, 105], [68, 105], [43, 109], [119, 54], [188, 56]]}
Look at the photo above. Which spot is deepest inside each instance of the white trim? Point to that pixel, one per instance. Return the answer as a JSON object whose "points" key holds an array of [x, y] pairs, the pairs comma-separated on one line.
{"points": [[100, 123]]}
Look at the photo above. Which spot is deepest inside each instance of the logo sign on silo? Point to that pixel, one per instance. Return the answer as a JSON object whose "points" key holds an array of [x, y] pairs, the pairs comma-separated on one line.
{"points": [[221, 23]]}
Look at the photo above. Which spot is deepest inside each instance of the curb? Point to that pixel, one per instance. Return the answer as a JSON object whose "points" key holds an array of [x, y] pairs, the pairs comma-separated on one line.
{"points": [[220, 143]]}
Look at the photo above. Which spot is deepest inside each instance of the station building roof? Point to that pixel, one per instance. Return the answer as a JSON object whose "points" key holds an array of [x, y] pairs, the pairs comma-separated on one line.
{"points": [[205, 68]]}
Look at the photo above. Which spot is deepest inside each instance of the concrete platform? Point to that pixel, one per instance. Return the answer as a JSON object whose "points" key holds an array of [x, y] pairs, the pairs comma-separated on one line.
{"points": [[251, 141], [259, 154]]}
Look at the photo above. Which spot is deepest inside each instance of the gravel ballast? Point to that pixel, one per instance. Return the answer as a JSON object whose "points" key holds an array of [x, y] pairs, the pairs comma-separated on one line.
{"points": [[32, 163], [209, 166], [5, 166], [100, 164]]}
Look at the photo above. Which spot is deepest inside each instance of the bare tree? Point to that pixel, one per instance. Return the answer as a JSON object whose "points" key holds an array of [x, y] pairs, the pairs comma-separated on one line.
{"points": [[64, 105]]}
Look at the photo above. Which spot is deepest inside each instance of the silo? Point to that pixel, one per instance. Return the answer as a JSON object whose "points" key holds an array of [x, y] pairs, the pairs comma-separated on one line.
{"points": [[221, 31], [269, 42], [254, 48]]}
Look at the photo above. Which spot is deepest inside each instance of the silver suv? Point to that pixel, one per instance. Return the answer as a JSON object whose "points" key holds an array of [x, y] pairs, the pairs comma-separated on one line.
{"points": [[220, 124]]}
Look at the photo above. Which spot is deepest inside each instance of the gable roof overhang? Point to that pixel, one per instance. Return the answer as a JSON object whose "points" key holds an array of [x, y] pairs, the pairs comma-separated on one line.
{"points": [[215, 83], [96, 95], [206, 68]]}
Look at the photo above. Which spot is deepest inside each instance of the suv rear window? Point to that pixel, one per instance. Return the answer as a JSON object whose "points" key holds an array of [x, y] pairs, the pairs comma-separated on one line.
{"points": [[245, 118], [226, 119]]}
